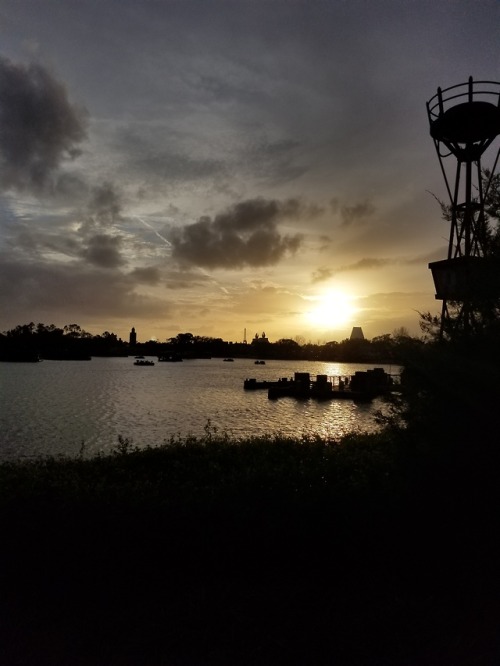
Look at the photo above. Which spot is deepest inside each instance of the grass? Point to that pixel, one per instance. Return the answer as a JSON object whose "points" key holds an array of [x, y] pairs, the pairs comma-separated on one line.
{"points": [[374, 550]]}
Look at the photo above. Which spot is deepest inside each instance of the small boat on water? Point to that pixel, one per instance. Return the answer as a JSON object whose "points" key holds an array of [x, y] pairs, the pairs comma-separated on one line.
{"points": [[143, 361], [229, 360], [260, 363]]}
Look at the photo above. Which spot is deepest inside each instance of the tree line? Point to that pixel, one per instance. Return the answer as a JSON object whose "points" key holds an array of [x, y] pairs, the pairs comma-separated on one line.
{"points": [[30, 342]]}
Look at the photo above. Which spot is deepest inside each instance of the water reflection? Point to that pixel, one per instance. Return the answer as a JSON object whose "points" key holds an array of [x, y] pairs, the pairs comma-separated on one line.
{"points": [[54, 406]]}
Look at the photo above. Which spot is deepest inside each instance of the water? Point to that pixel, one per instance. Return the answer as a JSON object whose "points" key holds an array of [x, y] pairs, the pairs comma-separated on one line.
{"points": [[55, 407]]}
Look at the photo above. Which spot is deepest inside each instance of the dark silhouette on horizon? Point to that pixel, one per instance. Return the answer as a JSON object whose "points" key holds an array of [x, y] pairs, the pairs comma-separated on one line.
{"points": [[30, 342]]}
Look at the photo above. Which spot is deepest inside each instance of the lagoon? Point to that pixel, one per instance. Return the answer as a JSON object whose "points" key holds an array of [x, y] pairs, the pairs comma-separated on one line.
{"points": [[73, 407]]}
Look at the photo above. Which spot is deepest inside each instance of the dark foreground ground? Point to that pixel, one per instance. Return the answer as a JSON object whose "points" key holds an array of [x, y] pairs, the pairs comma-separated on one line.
{"points": [[376, 552]]}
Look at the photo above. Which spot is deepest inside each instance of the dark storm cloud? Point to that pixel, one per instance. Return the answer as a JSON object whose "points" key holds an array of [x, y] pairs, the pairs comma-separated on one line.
{"points": [[244, 235], [104, 251], [39, 127]]}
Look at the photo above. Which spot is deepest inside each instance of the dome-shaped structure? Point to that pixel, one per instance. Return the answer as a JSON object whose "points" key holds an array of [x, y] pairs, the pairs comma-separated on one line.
{"points": [[469, 122], [465, 113]]}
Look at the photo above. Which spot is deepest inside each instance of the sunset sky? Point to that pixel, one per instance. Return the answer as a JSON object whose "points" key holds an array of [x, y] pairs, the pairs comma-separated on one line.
{"points": [[216, 166]]}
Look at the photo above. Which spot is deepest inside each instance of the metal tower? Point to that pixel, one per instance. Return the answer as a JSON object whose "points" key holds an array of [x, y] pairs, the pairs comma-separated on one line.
{"points": [[464, 122]]}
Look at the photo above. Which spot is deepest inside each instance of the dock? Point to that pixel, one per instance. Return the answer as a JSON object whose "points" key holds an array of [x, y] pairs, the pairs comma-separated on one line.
{"points": [[363, 386]]}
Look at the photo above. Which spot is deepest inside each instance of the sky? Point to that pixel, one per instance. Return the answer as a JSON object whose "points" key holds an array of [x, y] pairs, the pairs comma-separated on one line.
{"points": [[227, 167]]}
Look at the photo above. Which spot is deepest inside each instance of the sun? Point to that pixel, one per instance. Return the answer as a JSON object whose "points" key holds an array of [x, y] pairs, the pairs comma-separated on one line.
{"points": [[331, 310]]}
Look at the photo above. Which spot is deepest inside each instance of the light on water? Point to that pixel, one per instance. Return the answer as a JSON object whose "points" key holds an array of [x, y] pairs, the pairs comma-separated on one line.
{"points": [[54, 407]]}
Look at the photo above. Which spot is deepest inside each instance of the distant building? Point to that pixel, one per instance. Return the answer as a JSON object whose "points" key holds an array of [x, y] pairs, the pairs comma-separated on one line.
{"points": [[260, 341], [132, 337], [357, 333]]}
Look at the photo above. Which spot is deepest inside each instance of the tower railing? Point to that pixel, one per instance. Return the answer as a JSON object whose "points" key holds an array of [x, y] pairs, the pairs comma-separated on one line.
{"points": [[466, 92]]}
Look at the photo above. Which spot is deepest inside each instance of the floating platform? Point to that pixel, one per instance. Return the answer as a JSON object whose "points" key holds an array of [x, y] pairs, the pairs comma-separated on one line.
{"points": [[254, 384], [363, 386]]}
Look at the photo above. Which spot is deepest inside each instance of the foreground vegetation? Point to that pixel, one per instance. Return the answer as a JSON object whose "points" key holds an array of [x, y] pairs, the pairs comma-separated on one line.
{"points": [[373, 550]]}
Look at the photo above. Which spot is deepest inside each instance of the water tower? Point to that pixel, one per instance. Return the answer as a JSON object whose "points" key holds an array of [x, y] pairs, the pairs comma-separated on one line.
{"points": [[464, 123]]}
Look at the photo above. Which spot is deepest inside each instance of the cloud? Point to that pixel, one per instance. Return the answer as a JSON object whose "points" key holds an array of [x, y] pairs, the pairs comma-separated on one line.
{"points": [[367, 263], [322, 274], [435, 255], [72, 291], [387, 311], [40, 127], [355, 214], [104, 207], [149, 275], [173, 167], [104, 251], [244, 235], [105, 202]]}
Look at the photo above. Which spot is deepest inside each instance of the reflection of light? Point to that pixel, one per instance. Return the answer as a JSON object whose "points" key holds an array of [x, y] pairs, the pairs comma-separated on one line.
{"points": [[332, 309]]}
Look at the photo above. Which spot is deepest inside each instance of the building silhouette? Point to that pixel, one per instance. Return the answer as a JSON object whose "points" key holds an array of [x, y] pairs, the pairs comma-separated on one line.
{"points": [[263, 340], [357, 333], [132, 337]]}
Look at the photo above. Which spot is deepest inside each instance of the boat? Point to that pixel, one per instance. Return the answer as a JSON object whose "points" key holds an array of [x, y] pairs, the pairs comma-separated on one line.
{"points": [[141, 361], [229, 360], [260, 362]]}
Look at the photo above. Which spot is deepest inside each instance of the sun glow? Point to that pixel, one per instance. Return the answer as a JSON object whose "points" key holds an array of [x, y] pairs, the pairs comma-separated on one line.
{"points": [[331, 310]]}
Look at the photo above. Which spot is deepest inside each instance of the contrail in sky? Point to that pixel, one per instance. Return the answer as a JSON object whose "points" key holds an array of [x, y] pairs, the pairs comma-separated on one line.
{"points": [[213, 280], [149, 226]]}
